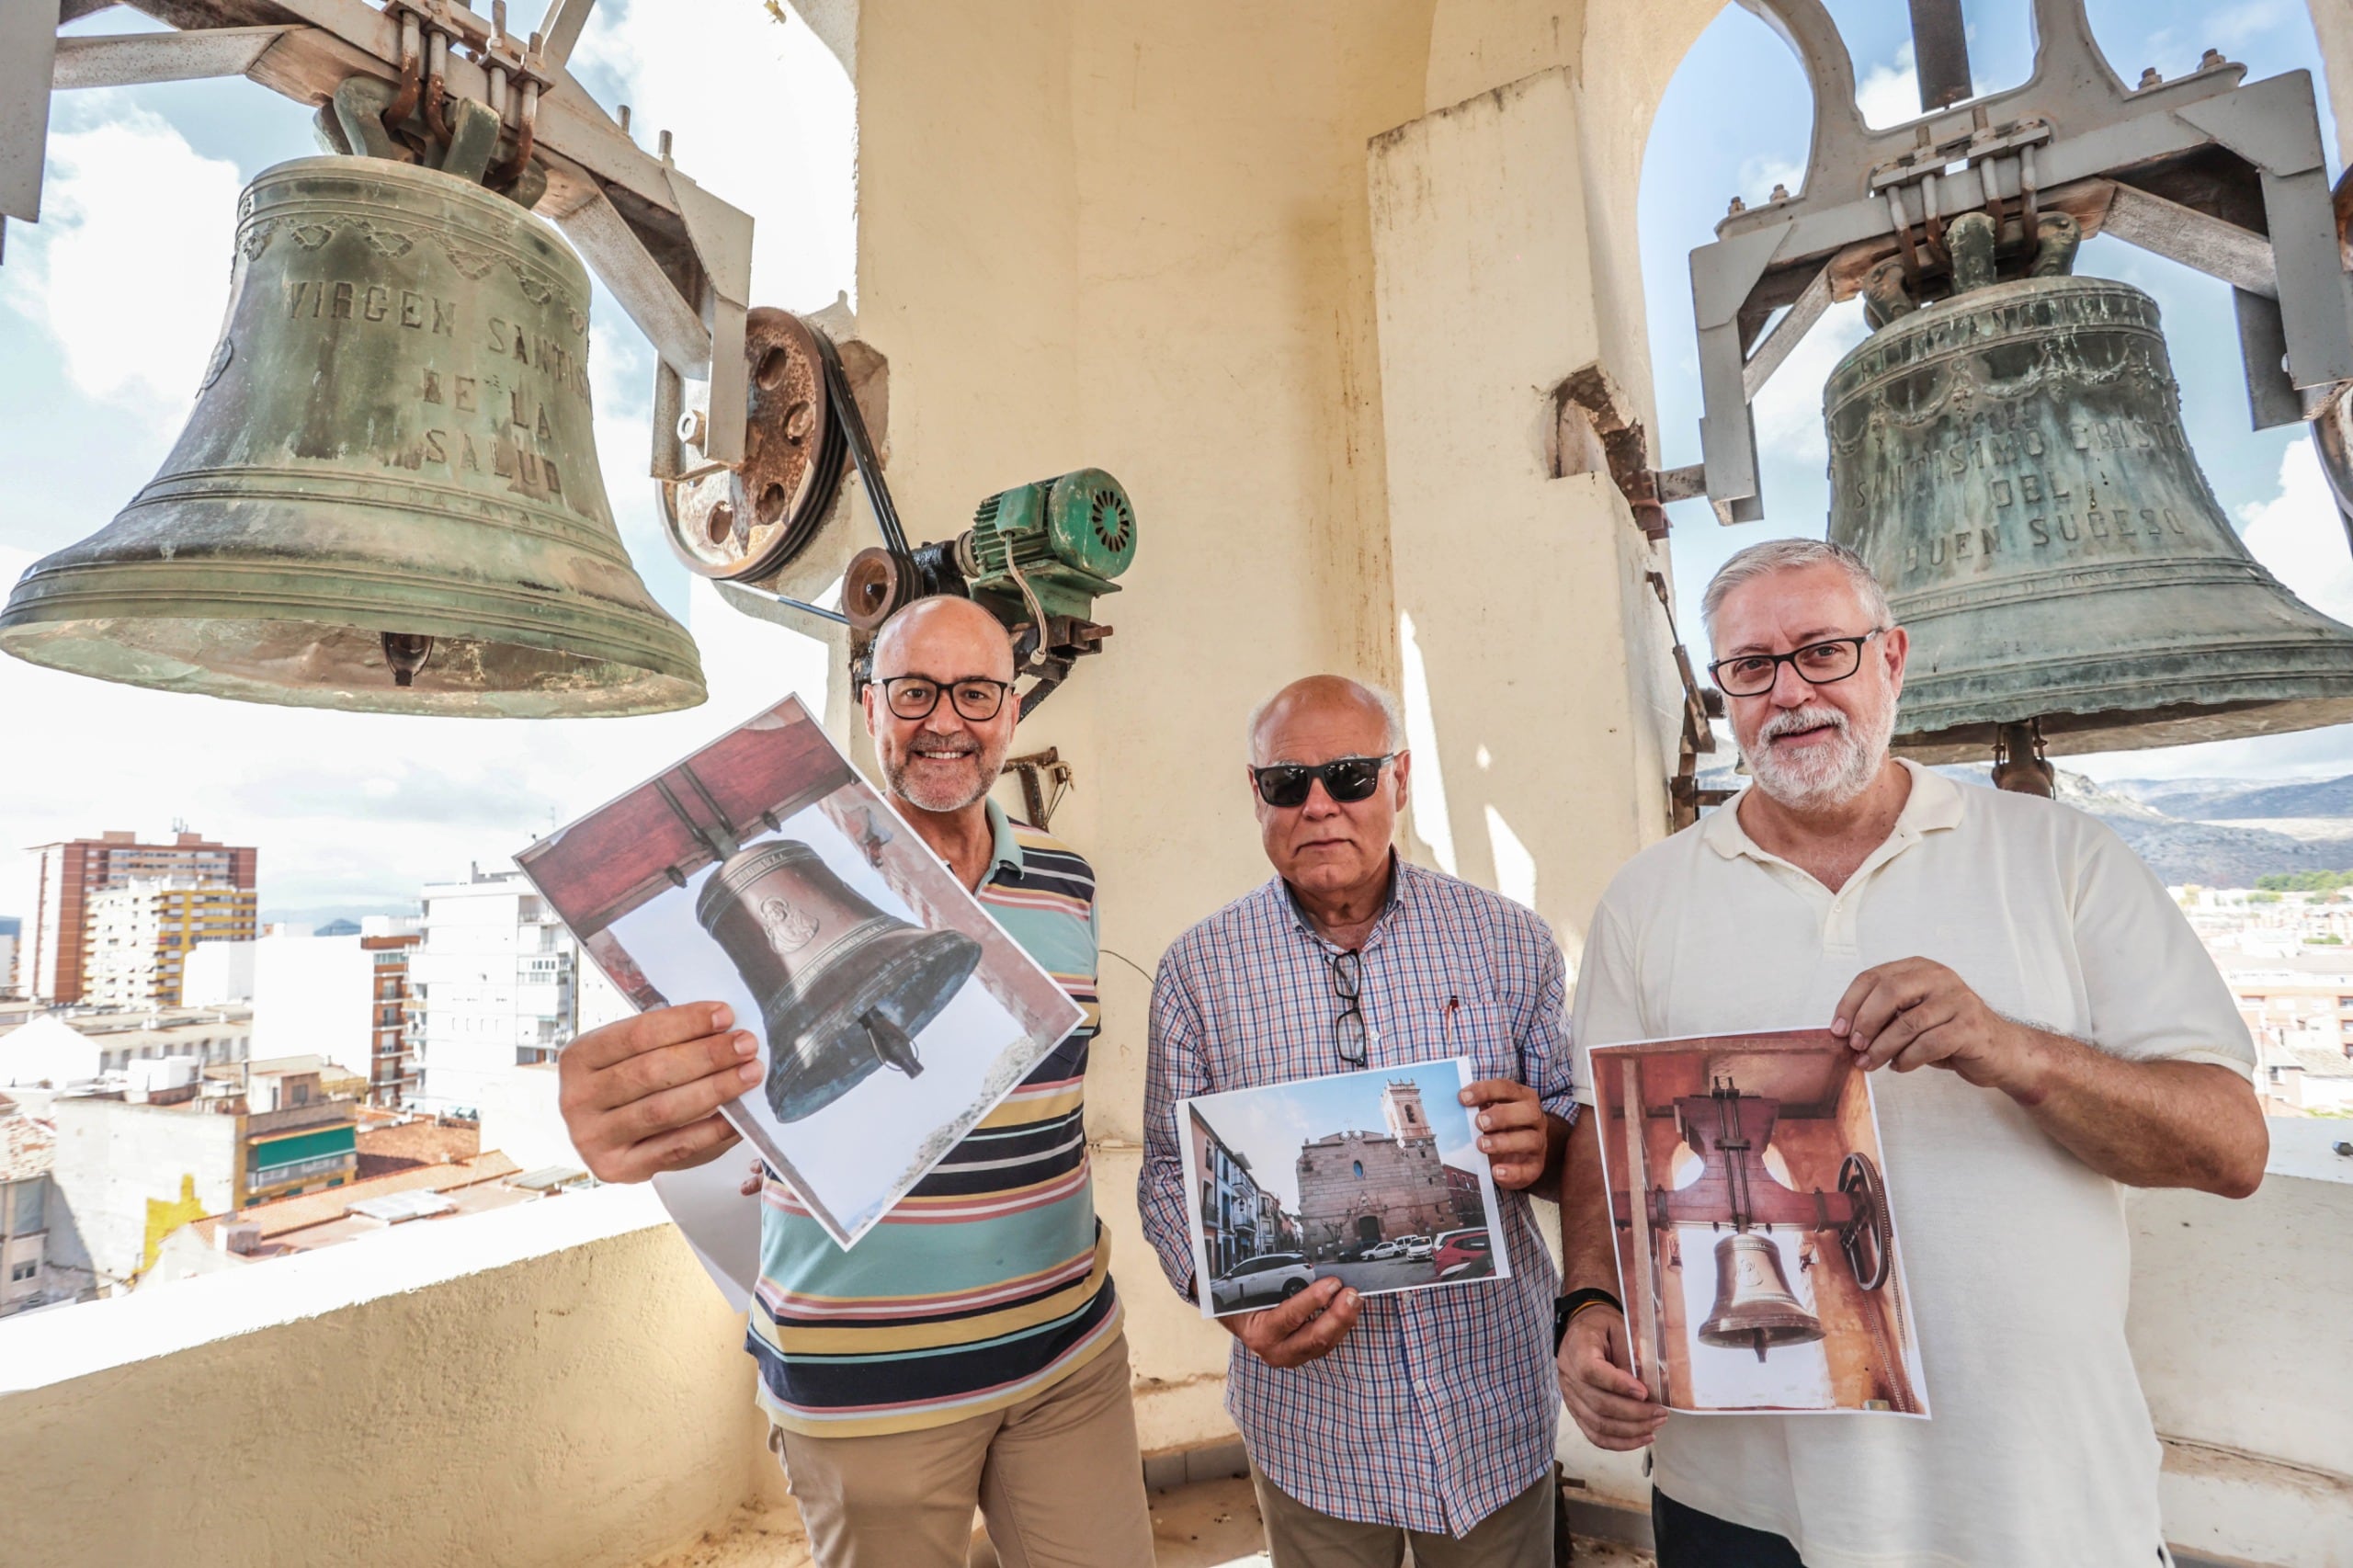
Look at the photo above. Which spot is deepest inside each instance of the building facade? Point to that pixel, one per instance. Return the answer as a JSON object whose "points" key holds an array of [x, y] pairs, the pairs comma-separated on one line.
{"points": [[1239, 1218], [72, 870], [12, 932], [1360, 1188], [58, 1050], [392, 1032], [142, 931], [492, 987]]}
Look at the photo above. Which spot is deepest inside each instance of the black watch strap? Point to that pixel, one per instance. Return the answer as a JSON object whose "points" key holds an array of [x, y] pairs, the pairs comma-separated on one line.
{"points": [[1568, 1306]]}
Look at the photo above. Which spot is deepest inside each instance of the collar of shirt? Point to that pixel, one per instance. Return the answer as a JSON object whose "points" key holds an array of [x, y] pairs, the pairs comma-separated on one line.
{"points": [[1004, 849], [1398, 899], [1934, 806]]}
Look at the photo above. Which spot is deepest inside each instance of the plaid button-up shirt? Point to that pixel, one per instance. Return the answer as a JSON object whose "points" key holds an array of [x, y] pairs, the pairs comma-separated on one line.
{"points": [[1440, 1405]]}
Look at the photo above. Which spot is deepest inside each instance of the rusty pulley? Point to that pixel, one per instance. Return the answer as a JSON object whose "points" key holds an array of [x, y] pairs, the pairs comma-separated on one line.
{"points": [[2011, 462], [746, 522], [387, 496]]}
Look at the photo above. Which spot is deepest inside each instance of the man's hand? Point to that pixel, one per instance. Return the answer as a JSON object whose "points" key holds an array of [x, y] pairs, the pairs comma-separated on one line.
{"points": [[643, 1095], [1609, 1404], [755, 1183], [1515, 1133], [1915, 1013], [1301, 1329]]}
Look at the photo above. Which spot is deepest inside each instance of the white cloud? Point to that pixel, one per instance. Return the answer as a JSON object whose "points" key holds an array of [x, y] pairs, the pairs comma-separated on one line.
{"points": [[1890, 93], [1788, 409], [2234, 25], [762, 116], [2300, 537], [128, 269], [1759, 174]]}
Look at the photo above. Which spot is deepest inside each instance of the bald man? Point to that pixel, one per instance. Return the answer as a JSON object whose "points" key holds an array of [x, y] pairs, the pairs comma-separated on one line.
{"points": [[1371, 1421], [969, 1350]]}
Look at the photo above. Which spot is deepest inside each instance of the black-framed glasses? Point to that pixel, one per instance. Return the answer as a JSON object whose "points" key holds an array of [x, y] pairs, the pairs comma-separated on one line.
{"points": [[1347, 983], [977, 698], [1345, 779], [1825, 662]]}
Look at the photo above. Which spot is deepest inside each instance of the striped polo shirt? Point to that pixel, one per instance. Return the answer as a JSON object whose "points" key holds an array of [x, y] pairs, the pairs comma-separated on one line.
{"points": [[989, 1281]]}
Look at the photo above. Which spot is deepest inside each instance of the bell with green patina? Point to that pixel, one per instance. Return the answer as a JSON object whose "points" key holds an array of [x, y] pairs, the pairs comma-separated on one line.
{"points": [[2010, 461], [387, 496]]}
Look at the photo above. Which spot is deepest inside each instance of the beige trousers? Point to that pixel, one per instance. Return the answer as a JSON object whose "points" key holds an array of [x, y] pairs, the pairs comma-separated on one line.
{"points": [[1517, 1535], [1058, 1478]]}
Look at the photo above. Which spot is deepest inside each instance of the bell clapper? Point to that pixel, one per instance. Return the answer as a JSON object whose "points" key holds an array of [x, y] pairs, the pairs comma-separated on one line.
{"points": [[407, 652], [892, 1045], [2019, 765]]}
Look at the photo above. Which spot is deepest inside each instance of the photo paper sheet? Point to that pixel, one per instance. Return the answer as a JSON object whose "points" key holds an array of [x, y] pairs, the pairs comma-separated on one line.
{"points": [[1756, 1246], [762, 871], [1372, 1178]]}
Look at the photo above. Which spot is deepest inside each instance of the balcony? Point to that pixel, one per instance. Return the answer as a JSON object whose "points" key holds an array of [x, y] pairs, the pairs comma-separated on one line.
{"points": [[559, 1384]]}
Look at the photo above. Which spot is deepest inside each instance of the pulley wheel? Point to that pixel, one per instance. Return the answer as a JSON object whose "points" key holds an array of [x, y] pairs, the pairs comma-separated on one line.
{"points": [[1868, 1241], [875, 583], [749, 522]]}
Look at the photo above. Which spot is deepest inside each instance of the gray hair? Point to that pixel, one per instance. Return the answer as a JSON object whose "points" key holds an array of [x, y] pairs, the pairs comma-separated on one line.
{"points": [[1378, 698], [1790, 555]]}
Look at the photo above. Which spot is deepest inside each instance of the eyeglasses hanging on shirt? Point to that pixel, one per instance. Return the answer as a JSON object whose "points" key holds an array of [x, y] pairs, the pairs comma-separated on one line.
{"points": [[1347, 983]]}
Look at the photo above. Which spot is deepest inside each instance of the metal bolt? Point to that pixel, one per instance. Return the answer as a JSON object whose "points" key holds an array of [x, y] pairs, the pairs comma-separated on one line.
{"points": [[690, 427], [498, 20], [665, 146], [2211, 59], [2344, 1148], [2149, 78], [1781, 193], [624, 119], [1737, 206]]}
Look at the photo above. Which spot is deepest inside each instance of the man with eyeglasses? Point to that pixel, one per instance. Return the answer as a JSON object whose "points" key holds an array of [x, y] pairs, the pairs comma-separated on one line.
{"points": [[1427, 1416], [2080, 1041], [969, 1350]]}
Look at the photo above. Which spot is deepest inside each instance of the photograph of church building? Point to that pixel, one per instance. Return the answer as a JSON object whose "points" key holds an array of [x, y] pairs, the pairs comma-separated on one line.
{"points": [[1372, 1177]]}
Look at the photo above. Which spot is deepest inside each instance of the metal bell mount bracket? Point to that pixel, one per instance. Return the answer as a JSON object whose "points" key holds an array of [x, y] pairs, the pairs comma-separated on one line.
{"points": [[2220, 174]]}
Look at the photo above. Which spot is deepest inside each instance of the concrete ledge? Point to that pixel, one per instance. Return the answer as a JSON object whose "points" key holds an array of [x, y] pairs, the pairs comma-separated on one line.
{"points": [[556, 1384]]}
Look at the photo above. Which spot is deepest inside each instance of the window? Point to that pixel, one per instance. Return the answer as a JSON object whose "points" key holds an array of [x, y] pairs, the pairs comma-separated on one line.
{"points": [[27, 1200], [1360, 1166], [20, 1272]]}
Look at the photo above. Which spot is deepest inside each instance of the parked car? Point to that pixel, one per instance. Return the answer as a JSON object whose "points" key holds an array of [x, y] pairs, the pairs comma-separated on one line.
{"points": [[1462, 1255], [1269, 1276], [1355, 1252], [1382, 1251], [1415, 1247]]}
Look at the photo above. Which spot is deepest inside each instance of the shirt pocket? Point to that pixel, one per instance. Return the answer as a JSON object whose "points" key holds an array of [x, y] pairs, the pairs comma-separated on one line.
{"points": [[1476, 1027]]}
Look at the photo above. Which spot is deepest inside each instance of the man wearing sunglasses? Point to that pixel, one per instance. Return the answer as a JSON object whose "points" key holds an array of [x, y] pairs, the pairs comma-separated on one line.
{"points": [[968, 1351], [1429, 1415], [1923, 921]]}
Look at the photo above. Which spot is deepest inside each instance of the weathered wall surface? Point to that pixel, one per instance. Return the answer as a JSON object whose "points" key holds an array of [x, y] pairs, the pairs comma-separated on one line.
{"points": [[573, 1395]]}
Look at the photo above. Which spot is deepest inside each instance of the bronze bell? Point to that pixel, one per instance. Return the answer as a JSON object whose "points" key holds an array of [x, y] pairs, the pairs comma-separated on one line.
{"points": [[387, 495], [2011, 462], [843, 987], [1755, 1306]]}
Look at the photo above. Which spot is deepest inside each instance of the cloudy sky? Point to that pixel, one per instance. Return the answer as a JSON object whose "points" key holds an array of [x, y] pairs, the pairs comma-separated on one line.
{"points": [[1700, 155], [109, 309]]}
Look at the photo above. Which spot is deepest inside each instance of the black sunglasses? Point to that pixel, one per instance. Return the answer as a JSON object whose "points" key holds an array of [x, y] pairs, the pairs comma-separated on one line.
{"points": [[1345, 779]]}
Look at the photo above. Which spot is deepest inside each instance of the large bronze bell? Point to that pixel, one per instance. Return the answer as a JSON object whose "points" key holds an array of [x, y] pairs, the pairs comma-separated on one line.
{"points": [[1755, 1306], [387, 496], [2010, 461], [843, 988]]}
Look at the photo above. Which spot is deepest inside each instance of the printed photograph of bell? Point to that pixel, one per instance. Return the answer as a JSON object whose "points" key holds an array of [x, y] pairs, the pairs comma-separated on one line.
{"points": [[844, 988], [387, 495], [2011, 462], [1756, 1309]]}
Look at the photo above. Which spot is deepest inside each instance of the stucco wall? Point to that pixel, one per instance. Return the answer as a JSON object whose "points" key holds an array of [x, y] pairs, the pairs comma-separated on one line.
{"points": [[553, 1384], [115, 1159]]}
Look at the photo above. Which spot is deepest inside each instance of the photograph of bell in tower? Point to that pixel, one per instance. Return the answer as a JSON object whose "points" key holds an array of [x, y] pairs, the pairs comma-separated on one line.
{"points": [[1757, 1246], [1371, 1177], [762, 871]]}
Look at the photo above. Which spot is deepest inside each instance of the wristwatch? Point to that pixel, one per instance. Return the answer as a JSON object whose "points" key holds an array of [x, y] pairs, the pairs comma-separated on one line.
{"points": [[1568, 1306]]}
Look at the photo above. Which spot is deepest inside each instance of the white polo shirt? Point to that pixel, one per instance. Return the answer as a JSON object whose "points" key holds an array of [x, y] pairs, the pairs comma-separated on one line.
{"points": [[2039, 1453]]}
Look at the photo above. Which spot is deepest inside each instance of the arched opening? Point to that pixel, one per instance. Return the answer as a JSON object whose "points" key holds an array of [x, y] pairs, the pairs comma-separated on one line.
{"points": [[1368, 1228], [1697, 158]]}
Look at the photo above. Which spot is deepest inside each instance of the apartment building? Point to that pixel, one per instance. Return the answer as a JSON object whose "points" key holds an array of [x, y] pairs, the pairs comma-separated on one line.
{"points": [[142, 931], [74, 870], [492, 988]]}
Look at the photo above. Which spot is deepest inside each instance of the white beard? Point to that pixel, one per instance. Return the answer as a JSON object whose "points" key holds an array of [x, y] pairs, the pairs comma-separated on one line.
{"points": [[1822, 777]]}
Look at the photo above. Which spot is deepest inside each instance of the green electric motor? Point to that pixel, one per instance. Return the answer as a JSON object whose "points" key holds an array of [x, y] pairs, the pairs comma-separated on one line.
{"points": [[1065, 539]]}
